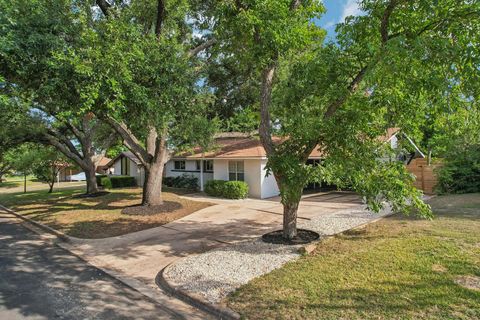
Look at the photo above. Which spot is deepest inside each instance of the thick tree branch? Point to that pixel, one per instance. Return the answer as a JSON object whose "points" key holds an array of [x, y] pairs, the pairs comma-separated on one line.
{"points": [[205, 45], [54, 141], [265, 129], [108, 142], [104, 6], [151, 144], [295, 4], [384, 32], [65, 141], [130, 140], [352, 88], [160, 18]]}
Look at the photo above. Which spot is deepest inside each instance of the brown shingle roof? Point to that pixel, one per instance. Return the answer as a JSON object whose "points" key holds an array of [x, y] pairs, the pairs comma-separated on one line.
{"points": [[235, 148], [103, 163]]}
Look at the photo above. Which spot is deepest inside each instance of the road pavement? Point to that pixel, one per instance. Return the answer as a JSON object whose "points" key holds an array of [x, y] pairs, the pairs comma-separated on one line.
{"points": [[39, 280]]}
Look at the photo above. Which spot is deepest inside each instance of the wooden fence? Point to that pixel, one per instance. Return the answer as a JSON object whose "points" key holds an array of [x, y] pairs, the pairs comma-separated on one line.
{"points": [[426, 177]]}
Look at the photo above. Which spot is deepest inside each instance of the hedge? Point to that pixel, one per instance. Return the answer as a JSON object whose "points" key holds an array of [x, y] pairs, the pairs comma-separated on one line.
{"points": [[99, 179], [182, 182], [227, 189], [123, 181]]}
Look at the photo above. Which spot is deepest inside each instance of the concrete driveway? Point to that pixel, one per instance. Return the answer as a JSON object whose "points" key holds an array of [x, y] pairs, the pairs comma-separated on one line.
{"points": [[143, 254]]}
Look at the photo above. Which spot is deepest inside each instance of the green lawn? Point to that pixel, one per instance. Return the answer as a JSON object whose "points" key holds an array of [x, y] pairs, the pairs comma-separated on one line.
{"points": [[99, 217], [397, 268], [17, 181]]}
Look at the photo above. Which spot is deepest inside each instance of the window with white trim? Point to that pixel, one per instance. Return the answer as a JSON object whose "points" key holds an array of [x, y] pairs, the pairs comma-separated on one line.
{"points": [[179, 165], [236, 171], [207, 165]]}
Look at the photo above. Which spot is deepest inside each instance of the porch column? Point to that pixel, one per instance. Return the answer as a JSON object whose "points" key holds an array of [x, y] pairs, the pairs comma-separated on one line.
{"points": [[201, 174]]}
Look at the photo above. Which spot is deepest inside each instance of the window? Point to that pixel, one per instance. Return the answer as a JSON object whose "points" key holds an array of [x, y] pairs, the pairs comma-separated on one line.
{"points": [[207, 165], [125, 166], [179, 165], [236, 171]]}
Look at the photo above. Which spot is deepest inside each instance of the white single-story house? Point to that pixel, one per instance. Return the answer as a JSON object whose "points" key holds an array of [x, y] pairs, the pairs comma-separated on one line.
{"points": [[236, 157]]}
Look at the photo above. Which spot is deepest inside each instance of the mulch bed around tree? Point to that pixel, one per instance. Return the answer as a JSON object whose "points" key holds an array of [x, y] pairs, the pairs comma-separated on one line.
{"points": [[303, 237]]}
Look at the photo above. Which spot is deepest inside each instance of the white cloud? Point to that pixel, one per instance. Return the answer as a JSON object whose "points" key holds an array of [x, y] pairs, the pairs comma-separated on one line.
{"points": [[329, 24], [351, 8]]}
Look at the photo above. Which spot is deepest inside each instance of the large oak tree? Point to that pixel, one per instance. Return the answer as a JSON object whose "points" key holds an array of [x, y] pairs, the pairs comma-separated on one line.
{"points": [[340, 96], [140, 71], [34, 34]]}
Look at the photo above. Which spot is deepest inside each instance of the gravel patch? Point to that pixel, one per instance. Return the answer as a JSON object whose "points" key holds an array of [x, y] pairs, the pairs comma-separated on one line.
{"points": [[215, 274], [342, 220]]}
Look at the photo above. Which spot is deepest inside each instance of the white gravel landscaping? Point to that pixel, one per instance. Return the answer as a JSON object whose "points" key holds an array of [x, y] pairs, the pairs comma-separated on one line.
{"points": [[214, 274]]}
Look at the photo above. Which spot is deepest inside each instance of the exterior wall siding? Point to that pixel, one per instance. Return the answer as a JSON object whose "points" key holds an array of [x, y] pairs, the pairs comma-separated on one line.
{"points": [[252, 172], [190, 170], [220, 169], [135, 171], [269, 185], [253, 177]]}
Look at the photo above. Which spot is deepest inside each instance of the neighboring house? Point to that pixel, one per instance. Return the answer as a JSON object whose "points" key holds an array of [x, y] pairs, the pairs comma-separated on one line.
{"points": [[127, 164], [236, 157], [71, 172], [102, 166], [395, 137]]}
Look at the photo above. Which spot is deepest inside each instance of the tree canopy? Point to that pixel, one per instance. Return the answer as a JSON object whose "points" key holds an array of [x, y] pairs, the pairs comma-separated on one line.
{"points": [[384, 69]]}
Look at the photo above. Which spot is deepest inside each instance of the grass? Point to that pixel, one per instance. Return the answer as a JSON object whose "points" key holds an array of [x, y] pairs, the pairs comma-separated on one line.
{"points": [[93, 218], [397, 268], [17, 181]]}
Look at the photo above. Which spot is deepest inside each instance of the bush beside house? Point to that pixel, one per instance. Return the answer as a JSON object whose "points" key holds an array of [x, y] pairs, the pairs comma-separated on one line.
{"points": [[182, 182], [227, 189], [109, 182], [123, 181]]}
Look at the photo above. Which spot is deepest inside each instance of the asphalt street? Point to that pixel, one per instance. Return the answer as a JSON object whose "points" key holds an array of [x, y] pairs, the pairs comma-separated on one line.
{"points": [[39, 280]]}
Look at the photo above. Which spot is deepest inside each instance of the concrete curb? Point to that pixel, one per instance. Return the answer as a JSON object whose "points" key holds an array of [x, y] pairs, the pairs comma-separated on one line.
{"points": [[222, 312], [60, 235]]}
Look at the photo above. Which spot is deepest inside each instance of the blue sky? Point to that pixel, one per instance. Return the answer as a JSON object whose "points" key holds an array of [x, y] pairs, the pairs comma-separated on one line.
{"points": [[337, 11]]}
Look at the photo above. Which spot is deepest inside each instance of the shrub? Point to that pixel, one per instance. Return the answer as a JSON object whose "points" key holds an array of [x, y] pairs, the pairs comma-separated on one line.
{"points": [[235, 190], [227, 189], [105, 182], [183, 182], [214, 188], [461, 171], [123, 181], [99, 179]]}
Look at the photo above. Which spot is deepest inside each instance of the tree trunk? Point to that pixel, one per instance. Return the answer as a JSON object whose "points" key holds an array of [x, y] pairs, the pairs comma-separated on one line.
{"points": [[152, 189], [290, 220], [92, 187], [50, 190], [24, 183]]}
